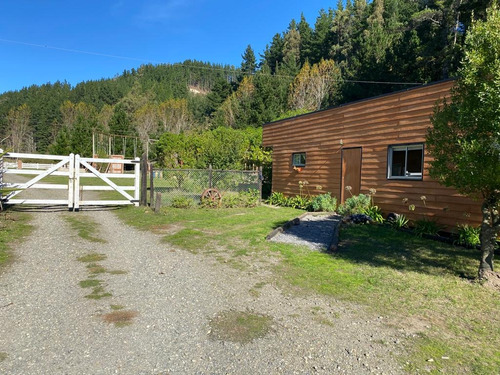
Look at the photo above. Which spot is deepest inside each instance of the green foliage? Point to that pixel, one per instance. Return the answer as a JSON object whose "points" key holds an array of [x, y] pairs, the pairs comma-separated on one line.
{"points": [[400, 222], [182, 202], [324, 202], [300, 202], [375, 213], [468, 236], [357, 204], [465, 138], [426, 226], [278, 199], [249, 198]]}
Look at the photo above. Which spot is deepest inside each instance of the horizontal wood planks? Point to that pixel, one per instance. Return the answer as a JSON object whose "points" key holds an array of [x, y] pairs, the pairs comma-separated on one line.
{"points": [[374, 125]]}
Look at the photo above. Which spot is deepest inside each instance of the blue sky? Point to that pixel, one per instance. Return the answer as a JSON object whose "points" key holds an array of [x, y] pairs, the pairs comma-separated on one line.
{"points": [[40, 40]]}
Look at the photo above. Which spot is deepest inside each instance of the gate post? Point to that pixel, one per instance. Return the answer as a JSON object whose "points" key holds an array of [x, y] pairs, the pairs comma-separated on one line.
{"points": [[137, 181], [144, 180], [71, 182], [76, 191]]}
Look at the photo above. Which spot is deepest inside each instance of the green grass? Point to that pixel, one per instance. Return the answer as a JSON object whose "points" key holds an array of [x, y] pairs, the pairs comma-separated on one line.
{"points": [[85, 226], [90, 283], [415, 283], [13, 226], [239, 326], [92, 258], [98, 292]]}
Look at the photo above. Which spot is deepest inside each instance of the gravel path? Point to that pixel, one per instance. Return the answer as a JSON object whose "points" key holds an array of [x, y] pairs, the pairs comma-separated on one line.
{"points": [[49, 327], [313, 231]]}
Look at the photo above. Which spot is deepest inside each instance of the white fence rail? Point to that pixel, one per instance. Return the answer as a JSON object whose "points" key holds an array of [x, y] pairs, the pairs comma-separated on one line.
{"points": [[74, 168]]}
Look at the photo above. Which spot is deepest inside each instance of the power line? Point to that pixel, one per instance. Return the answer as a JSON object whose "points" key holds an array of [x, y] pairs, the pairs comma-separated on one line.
{"points": [[231, 68], [76, 51]]}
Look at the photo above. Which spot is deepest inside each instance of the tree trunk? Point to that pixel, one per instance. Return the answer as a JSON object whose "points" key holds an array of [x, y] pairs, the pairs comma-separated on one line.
{"points": [[489, 231]]}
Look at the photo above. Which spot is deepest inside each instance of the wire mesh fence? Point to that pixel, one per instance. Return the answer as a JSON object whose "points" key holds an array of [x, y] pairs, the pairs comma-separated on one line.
{"points": [[191, 183]]}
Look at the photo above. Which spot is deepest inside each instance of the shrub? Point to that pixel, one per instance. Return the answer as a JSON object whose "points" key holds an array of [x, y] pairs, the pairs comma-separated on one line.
{"points": [[399, 222], [468, 236], [302, 203], [278, 199], [182, 202], [324, 202], [208, 203], [357, 204], [248, 198], [427, 226], [375, 213]]}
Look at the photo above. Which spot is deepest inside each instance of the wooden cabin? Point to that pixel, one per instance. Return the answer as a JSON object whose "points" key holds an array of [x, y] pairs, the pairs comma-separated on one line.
{"points": [[376, 143]]}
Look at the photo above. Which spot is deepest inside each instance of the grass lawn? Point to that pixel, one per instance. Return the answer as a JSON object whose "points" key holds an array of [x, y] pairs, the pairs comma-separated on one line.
{"points": [[13, 226], [423, 286]]}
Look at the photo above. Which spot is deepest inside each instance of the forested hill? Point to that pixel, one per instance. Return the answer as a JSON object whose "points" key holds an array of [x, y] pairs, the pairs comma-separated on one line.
{"points": [[357, 50]]}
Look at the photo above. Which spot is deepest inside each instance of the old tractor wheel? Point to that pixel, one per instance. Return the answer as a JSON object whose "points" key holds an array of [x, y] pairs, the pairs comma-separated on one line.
{"points": [[211, 196]]}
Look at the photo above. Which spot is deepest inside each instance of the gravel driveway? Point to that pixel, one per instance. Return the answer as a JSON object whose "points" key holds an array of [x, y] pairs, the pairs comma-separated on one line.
{"points": [[49, 327]]}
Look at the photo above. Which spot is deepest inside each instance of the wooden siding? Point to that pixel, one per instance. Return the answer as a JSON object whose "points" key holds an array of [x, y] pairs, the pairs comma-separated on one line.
{"points": [[374, 125]]}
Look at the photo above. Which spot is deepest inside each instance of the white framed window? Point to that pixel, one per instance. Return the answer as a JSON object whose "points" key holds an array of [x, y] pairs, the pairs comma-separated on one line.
{"points": [[405, 161], [299, 159]]}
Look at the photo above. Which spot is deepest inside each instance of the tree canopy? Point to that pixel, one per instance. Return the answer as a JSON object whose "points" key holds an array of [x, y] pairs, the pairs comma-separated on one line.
{"points": [[465, 138]]}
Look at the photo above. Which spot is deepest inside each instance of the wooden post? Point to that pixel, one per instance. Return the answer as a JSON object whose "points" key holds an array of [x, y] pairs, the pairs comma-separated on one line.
{"points": [[158, 202], [151, 185], [144, 180], [260, 177]]}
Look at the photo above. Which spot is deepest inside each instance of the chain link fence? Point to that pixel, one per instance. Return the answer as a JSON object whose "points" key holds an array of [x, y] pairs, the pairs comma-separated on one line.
{"points": [[191, 183]]}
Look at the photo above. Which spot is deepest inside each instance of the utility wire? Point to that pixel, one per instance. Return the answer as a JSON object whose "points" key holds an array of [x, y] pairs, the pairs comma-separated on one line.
{"points": [[229, 69]]}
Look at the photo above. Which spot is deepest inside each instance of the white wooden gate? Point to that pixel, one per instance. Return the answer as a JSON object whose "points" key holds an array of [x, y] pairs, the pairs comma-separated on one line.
{"points": [[74, 168]]}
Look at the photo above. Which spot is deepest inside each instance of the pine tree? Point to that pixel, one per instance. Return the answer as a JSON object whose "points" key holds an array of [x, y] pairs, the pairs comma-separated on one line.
{"points": [[248, 64]]}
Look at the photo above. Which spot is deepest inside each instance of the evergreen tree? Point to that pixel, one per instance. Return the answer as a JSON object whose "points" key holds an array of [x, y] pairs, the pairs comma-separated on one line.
{"points": [[305, 33], [248, 64]]}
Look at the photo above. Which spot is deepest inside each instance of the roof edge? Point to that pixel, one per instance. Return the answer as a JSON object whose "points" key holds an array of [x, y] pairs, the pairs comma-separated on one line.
{"points": [[360, 101]]}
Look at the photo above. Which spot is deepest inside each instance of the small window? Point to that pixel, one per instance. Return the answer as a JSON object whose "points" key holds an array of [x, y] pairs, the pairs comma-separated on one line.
{"points": [[299, 159], [406, 162]]}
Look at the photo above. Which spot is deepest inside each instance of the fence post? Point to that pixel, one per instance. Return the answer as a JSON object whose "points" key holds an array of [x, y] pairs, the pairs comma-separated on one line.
{"points": [[151, 185], [210, 176], [144, 180], [157, 202], [261, 178]]}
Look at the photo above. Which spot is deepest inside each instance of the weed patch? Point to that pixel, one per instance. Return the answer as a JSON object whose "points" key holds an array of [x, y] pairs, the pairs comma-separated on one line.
{"points": [[242, 327], [3, 356], [90, 283], [95, 268], [120, 318], [116, 307], [92, 258], [13, 226], [98, 292], [85, 226]]}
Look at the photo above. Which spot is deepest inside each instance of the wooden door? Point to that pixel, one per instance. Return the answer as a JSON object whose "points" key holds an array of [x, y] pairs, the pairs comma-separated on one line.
{"points": [[351, 172]]}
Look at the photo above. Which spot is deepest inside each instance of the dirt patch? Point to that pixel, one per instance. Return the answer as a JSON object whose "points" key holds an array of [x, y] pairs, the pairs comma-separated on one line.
{"points": [[166, 229], [120, 318], [239, 326], [492, 280]]}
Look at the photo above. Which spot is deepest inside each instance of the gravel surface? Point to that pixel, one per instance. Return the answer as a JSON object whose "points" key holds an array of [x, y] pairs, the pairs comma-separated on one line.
{"points": [[313, 231], [49, 327]]}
